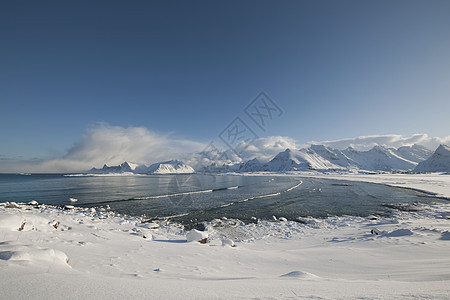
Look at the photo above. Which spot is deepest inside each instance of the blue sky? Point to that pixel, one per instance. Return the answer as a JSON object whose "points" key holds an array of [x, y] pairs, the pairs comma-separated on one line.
{"points": [[338, 69]]}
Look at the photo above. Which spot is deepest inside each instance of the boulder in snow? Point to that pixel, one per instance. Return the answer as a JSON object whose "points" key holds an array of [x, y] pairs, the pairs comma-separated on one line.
{"points": [[12, 205], [228, 243], [197, 236]]}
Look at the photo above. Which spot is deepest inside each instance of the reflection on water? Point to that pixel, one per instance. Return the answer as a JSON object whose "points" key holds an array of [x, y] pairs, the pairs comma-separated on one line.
{"points": [[194, 198]]}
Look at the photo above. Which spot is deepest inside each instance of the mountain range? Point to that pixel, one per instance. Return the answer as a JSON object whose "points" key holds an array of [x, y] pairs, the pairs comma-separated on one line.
{"points": [[166, 167], [413, 158], [322, 158]]}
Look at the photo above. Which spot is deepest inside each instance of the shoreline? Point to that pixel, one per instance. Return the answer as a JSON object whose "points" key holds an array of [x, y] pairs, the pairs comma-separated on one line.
{"points": [[46, 252], [435, 184]]}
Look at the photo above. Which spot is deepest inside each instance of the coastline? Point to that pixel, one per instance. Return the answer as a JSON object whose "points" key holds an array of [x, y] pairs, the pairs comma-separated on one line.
{"points": [[436, 184], [112, 257]]}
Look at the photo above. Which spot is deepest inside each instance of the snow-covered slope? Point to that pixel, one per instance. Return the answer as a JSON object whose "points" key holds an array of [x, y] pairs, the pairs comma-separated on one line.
{"points": [[379, 158], [335, 156], [415, 153], [169, 167], [253, 165], [438, 162], [297, 160]]}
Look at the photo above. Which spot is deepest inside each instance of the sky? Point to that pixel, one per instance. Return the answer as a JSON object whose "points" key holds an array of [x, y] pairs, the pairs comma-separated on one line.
{"points": [[178, 73]]}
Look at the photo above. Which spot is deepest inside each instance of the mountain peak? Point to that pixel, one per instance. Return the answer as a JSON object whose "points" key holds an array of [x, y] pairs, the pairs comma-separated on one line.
{"points": [[318, 146], [443, 150], [379, 148], [416, 146], [124, 164], [438, 162], [350, 149], [169, 167], [255, 160]]}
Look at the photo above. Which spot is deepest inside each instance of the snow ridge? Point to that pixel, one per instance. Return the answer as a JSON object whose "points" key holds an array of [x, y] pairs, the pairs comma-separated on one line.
{"points": [[438, 162], [323, 158], [314, 158], [166, 167]]}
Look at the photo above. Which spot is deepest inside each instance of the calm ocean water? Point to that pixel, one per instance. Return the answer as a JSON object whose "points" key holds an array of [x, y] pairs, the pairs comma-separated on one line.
{"points": [[196, 198]]}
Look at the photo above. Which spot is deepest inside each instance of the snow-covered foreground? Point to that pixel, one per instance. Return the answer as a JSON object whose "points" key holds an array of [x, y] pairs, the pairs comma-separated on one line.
{"points": [[52, 253]]}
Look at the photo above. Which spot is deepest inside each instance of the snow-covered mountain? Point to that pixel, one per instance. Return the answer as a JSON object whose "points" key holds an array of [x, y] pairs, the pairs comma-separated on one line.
{"points": [[438, 162], [125, 167], [415, 153], [315, 157], [299, 160], [253, 165], [335, 156], [219, 167], [167, 167], [379, 158], [215, 161], [321, 158]]}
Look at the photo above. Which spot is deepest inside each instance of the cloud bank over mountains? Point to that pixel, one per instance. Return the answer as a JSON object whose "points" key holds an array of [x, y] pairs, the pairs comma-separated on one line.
{"points": [[112, 145], [390, 141]]}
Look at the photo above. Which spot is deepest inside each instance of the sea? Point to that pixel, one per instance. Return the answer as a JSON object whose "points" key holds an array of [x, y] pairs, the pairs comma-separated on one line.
{"points": [[196, 198]]}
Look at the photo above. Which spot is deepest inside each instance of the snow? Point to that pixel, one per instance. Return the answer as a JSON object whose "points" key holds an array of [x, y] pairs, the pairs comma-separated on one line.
{"points": [[127, 169], [251, 166], [315, 157], [20, 253], [335, 156], [438, 162], [196, 236], [434, 183], [303, 159], [380, 158], [83, 253], [11, 205], [415, 153], [228, 243], [168, 167], [323, 158], [103, 174]]}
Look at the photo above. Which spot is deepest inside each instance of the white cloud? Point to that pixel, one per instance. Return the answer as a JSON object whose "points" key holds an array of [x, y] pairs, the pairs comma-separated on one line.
{"points": [[114, 144], [266, 148], [390, 140]]}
